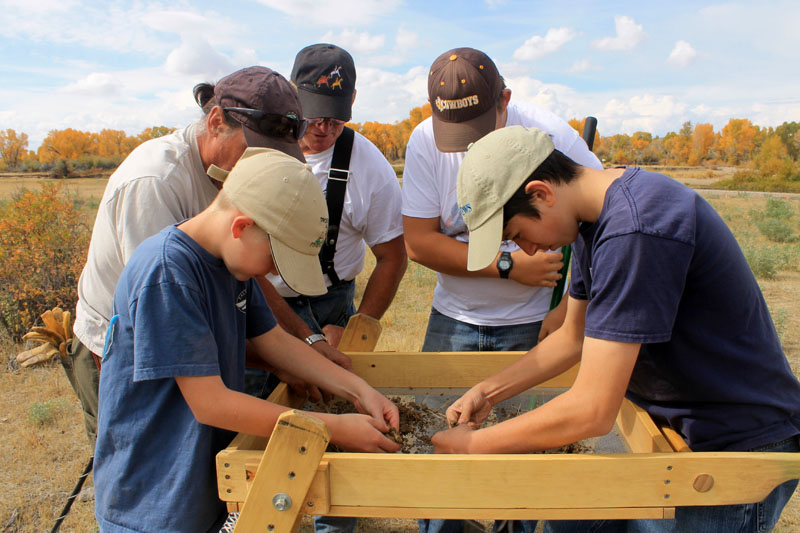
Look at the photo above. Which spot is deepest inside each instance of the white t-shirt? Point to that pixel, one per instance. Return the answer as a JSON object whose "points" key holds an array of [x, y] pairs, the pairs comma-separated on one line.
{"points": [[371, 211], [429, 191], [161, 182]]}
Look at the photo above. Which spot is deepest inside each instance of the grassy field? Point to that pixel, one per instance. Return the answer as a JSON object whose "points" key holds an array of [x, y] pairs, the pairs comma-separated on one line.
{"points": [[41, 429]]}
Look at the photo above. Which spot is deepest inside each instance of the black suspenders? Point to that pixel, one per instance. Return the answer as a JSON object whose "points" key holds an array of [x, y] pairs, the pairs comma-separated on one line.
{"points": [[338, 175]]}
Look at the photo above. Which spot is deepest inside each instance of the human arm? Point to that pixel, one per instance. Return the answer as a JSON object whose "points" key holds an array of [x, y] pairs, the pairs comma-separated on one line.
{"points": [[287, 353], [292, 323], [213, 404], [587, 409], [553, 320], [428, 246], [390, 265]]}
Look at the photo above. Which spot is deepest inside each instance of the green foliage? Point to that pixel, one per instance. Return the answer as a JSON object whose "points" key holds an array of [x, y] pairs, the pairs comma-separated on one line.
{"points": [[779, 209], [45, 413], [43, 246], [764, 261], [61, 169], [777, 230]]}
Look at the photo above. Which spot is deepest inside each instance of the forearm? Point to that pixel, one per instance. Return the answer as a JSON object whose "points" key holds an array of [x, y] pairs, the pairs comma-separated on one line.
{"points": [[284, 314], [385, 278], [441, 253], [554, 355], [563, 420]]}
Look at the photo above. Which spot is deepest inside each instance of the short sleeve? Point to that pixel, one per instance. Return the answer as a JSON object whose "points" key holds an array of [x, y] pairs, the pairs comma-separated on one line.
{"points": [[171, 333], [260, 318], [420, 191], [635, 283]]}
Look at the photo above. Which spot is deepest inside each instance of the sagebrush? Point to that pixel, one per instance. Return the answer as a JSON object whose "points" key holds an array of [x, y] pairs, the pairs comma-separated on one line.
{"points": [[43, 244]]}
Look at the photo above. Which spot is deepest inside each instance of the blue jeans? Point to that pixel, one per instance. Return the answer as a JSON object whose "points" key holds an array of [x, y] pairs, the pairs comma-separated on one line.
{"points": [[744, 518], [445, 334]]}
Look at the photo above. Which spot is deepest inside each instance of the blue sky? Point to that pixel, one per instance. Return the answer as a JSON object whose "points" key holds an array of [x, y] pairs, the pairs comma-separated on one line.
{"points": [[636, 66]]}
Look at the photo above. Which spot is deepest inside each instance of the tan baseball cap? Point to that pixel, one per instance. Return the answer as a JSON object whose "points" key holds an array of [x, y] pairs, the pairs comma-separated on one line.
{"points": [[492, 171], [284, 198], [463, 87]]}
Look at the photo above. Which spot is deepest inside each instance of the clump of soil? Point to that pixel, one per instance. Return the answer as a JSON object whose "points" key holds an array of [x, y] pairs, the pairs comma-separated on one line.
{"points": [[418, 423]]}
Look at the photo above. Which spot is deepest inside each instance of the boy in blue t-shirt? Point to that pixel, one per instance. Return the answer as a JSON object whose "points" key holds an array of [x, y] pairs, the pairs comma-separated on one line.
{"points": [[663, 309], [173, 371]]}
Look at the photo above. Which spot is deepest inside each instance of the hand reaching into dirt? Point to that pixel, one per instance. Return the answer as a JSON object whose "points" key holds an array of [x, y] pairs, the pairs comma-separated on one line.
{"points": [[379, 407], [360, 433], [453, 440], [538, 270], [53, 338], [471, 409]]}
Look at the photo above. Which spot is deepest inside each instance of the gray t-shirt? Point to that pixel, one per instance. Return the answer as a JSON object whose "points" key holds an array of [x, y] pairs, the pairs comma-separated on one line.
{"points": [[160, 183]]}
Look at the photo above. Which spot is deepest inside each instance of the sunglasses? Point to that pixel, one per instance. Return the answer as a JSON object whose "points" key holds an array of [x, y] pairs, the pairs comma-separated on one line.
{"points": [[274, 125], [330, 121]]}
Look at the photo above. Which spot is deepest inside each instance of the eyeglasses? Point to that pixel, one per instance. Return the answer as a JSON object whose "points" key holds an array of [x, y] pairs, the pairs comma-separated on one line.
{"points": [[273, 124], [330, 121]]}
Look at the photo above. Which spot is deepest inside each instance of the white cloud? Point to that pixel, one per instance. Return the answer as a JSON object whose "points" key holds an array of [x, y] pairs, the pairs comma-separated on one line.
{"points": [[197, 57], [388, 96], [646, 112], [94, 85], [629, 35], [406, 39], [537, 46], [356, 42], [682, 54], [582, 65], [329, 13]]}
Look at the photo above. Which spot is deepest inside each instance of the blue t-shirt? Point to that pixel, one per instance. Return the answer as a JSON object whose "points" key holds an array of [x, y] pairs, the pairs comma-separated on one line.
{"points": [[660, 267], [180, 313]]}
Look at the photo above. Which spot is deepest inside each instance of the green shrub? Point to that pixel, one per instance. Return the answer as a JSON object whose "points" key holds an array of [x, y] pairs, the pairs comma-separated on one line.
{"points": [[45, 413], [43, 246], [776, 230], [764, 261], [779, 209]]}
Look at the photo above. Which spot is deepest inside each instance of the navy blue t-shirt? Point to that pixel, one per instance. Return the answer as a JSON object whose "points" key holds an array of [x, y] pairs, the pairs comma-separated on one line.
{"points": [[661, 268], [180, 313]]}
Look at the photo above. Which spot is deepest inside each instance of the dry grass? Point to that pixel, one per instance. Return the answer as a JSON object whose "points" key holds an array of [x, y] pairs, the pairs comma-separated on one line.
{"points": [[42, 462]]}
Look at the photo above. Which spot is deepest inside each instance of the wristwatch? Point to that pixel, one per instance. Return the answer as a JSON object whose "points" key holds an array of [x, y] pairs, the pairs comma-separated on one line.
{"points": [[315, 337], [504, 264]]}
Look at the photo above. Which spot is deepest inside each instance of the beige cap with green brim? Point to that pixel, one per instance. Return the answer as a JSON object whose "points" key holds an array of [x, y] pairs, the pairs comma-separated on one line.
{"points": [[493, 169], [284, 198]]}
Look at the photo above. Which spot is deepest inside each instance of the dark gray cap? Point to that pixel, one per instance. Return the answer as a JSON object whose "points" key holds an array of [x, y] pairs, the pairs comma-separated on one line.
{"points": [[325, 76]]}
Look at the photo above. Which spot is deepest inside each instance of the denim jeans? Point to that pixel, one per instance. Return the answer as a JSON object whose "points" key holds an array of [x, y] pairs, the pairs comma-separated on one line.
{"points": [[445, 334], [744, 518], [334, 307]]}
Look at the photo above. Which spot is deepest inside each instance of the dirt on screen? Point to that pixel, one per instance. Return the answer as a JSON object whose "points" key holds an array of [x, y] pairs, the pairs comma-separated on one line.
{"points": [[419, 421]]}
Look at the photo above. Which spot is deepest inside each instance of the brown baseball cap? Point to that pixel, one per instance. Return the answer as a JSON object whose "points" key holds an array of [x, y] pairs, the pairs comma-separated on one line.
{"points": [[267, 105], [463, 88]]}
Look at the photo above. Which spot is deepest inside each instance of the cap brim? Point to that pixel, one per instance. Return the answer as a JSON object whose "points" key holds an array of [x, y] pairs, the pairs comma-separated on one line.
{"points": [[484, 242], [325, 106], [301, 272], [456, 136], [256, 139]]}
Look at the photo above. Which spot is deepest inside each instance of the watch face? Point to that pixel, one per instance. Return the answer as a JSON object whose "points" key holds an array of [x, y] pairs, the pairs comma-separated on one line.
{"points": [[504, 264]]}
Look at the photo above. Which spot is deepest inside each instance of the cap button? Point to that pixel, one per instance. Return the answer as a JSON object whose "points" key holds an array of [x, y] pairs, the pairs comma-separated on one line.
{"points": [[453, 57]]}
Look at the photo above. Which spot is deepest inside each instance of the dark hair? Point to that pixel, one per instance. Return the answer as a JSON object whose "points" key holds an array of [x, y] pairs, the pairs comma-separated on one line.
{"points": [[205, 98], [556, 168]]}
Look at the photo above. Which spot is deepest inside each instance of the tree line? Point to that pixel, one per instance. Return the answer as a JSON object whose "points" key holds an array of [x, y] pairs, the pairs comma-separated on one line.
{"points": [[740, 143]]}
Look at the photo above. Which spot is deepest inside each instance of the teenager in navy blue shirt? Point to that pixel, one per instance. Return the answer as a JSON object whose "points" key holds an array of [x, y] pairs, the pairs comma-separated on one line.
{"points": [[663, 308], [173, 370]]}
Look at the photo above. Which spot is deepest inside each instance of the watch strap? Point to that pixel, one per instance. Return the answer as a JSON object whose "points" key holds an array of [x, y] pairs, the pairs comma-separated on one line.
{"points": [[315, 337]]}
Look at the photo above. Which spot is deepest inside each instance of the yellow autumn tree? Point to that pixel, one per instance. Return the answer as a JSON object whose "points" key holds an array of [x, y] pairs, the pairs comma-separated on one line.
{"points": [[13, 147], [67, 144]]}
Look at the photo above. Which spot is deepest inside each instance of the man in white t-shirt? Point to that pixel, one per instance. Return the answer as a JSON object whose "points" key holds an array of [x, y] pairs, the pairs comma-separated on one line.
{"points": [[325, 77], [501, 307], [167, 180]]}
